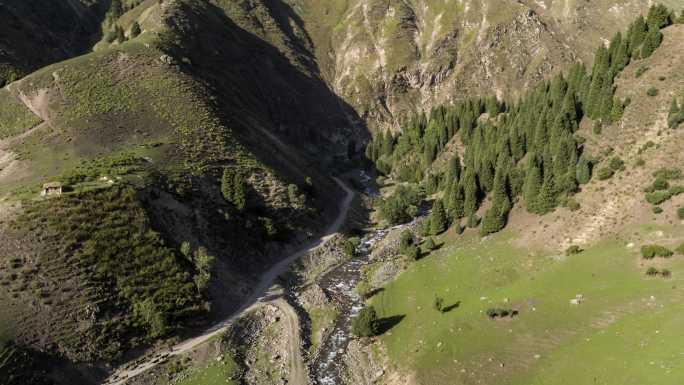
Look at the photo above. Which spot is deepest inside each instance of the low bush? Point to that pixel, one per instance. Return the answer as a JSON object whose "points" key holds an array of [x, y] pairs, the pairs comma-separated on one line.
{"points": [[680, 212], [572, 250], [640, 71], [616, 164], [680, 249], [667, 173], [651, 271], [572, 204], [429, 244], [412, 252], [657, 209], [350, 246], [652, 251], [401, 206], [604, 173], [652, 92], [665, 273], [500, 313], [660, 184], [658, 197], [406, 240]]}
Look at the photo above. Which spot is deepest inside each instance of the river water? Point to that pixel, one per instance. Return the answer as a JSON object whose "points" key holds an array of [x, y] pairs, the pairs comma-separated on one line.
{"points": [[339, 285]]}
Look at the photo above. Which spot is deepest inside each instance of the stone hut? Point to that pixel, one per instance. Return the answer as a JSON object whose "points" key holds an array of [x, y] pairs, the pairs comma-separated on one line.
{"points": [[52, 188]]}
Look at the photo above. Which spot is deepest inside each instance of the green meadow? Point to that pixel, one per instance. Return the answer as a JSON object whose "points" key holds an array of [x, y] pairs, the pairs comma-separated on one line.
{"points": [[626, 330]]}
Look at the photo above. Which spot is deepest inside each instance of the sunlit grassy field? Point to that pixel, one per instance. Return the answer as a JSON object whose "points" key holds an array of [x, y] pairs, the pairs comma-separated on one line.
{"points": [[625, 331]]}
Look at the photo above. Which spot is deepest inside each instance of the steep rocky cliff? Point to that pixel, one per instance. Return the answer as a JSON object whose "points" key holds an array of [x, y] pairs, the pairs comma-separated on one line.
{"points": [[388, 57]]}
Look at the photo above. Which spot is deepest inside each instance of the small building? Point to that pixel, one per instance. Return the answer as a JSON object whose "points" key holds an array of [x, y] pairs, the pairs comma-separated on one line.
{"points": [[52, 188]]}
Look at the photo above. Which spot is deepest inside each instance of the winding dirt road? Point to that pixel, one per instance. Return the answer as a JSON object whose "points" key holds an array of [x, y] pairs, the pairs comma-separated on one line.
{"points": [[125, 373]]}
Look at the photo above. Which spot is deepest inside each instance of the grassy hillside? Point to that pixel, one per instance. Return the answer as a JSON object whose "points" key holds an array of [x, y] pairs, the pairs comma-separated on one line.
{"points": [[623, 332], [142, 142]]}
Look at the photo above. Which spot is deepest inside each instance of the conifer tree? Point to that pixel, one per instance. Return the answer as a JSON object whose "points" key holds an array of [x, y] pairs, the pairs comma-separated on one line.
{"points": [[239, 192], [652, 41], [227, 185], [532, 186], [637, 33], [135, 30], [431, 184], [583, 170], [453, 172], [674, 108], [456, 203], [119, 33], [658, 17], [438, 220], [598, 75], [470, 191], [546, 200], [607, 98], [116, 9], [495, 218]]}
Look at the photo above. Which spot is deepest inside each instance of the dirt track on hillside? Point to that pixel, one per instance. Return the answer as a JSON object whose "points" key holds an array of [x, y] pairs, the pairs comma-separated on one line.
{"points": [[256, 299]]}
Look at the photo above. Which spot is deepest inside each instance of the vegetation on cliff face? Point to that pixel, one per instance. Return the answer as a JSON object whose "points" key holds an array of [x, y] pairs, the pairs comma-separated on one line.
{"points": [[528, 148]]}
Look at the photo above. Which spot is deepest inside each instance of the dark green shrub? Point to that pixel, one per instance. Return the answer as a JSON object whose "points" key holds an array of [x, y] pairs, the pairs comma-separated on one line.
{"points": [[680, 212], [350, 246], [572, 204], [598, 127], [366, 323], [652, 91], [429, 244], [401, 205], [676, 190], [680, 249], [660, 184], [657, 210], [667, 173], [406, 240], [438, 220], [572, 250], [499, 312], [652, 251], [412, 252], [135, 30], [651, 271], [658, 197], [640, 162], [604, 173], [665, 273], [641, 70], [616, 164]]}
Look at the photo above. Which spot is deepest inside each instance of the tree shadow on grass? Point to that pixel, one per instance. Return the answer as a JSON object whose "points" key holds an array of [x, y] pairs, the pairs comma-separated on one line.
{"points": [[387, 323], [449, 308]]}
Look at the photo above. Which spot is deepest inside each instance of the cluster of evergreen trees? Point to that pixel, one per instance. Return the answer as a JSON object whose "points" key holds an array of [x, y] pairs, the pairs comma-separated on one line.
{"points": [[234, 188], [116, 32], [524, 149]]}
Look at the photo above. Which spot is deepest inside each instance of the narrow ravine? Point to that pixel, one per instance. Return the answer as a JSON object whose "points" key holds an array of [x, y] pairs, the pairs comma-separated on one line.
{"points": [[339, 285]]}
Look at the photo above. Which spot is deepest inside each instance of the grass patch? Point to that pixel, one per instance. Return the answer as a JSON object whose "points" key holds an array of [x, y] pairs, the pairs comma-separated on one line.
{"points": [[15, 117], [216, 373]]}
